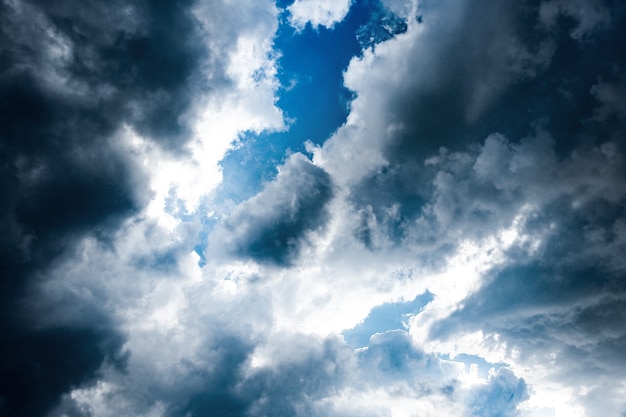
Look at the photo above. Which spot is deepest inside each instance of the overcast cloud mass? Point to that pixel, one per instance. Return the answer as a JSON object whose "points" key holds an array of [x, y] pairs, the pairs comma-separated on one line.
{"points": [[313, 208]]}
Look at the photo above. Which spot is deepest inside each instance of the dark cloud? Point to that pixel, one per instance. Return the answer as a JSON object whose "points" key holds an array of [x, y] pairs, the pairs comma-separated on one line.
{"points": [[205, 385], [560, 291], [566, 266], [71, 76], [504, 68], [212, 389], [39, 365], [391, 358], [515, 119], [218, 380], [294, 386], [571, 290], [134, 62], [568, 214], [273, 225]]}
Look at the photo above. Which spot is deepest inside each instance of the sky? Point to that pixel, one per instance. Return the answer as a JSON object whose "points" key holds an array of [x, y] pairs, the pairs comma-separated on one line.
{"points": [[379, 208]]}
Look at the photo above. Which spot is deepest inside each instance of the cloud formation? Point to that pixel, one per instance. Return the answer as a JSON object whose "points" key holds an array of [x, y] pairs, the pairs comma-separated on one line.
{"points": [[273, 225], [73, 81], [317, 12], [455, 247], [462, 143]]}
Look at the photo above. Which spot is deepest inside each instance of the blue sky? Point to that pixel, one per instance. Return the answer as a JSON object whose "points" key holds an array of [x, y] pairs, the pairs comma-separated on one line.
{"points": [[312, 208], [311, 94]]}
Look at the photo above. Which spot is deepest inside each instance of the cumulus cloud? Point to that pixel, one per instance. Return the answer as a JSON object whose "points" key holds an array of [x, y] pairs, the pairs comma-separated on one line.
{"points": [[273, 225], [318, 12]]}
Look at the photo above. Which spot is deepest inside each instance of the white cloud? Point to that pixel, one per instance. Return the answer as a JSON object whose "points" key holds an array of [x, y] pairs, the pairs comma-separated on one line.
{"points": [[318, 12]]}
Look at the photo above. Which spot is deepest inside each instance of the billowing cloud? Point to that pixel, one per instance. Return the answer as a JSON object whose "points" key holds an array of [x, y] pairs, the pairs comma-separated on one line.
{"points": [[273, 225], [74, 82], [454, 247], [496, 146], [318, 12]]}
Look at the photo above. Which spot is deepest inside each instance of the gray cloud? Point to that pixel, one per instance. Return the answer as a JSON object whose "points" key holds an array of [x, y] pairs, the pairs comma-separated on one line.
{"points": [[464, 80], [71, 77], [293, 387], [273, 225], [575, 213], [560, 292], [490, 121], [487, 121]]}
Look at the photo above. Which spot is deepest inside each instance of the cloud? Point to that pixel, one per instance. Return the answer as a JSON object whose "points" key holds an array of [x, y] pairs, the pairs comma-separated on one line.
{"points": [[575, 207], [39, 366], [85, 92], [393, 376], [590, 16], [501, 396], [296, 374], [447, 145], [468, 215], [562, 265], [273, 225], [318, 12], [296, 385], [398, 121]]}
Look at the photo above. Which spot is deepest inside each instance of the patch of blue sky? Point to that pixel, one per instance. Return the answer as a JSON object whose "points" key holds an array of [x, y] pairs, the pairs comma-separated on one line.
{"points": [[312, 95], [385, 317]]}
